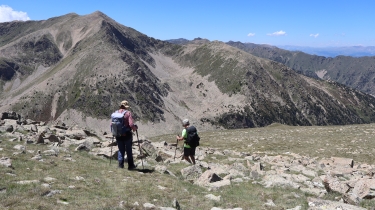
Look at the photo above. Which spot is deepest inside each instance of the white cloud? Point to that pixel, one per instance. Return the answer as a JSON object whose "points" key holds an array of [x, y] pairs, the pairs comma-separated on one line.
{"points": [[8, 14], [278, 33], [314, 35], [251, 34]]}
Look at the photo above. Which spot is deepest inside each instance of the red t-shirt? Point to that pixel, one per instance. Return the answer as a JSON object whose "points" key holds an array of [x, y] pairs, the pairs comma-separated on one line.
{"points": [[129, 121]]}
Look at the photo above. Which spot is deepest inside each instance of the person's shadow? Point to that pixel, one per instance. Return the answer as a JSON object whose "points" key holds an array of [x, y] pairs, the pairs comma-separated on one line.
{"points": [[145, 171]]}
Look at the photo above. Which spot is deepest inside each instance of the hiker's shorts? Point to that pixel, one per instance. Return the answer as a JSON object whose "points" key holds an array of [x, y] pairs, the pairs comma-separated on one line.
{"points": [[189, 151]]}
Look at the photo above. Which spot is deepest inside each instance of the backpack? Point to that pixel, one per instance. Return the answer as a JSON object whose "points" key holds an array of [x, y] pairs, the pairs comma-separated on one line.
{"points": [[118, 127], [192, 136]]}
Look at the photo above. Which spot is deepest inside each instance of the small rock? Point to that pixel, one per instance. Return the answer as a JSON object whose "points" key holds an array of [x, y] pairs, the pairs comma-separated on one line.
{"points": [[149, 206], [213, 197], [53, 192], [62, 202], [270, 203], [49, 179], [28, 182], [46, 185], [5, 161], [19, 147]]}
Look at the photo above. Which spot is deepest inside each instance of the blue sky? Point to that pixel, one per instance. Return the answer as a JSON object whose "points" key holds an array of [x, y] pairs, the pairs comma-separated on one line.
{"points": [[317, 23]]}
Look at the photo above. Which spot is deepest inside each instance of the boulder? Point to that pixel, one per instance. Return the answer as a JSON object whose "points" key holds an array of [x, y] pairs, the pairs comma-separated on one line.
{"points": [[219, 184], [40, 138], [77, 134], [207, 177], [19, 147], [91, 142], [363, 189], [82, 147], [6, 128], [5, 161], [10, 115], [192, 172], [333, 184], [149, 149], [279, 180], [59, 124], [31, 127], [53, 138], [105, 152], [342, 162], [50, 152], [11, 122]]}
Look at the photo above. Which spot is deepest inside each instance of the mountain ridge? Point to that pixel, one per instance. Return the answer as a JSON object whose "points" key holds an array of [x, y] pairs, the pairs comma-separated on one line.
{"points": [[353, 51], [358, 73], [78, 69]]}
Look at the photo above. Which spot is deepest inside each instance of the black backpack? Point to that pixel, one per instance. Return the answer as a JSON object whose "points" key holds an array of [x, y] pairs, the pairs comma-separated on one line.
{"points": [[192, 136]]}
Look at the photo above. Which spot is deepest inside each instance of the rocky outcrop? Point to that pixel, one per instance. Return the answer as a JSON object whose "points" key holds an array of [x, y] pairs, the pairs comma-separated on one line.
{"points": [[316, 176]]}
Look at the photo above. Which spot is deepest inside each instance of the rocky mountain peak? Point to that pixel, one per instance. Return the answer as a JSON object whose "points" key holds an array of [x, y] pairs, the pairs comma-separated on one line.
{"points": [[78, 69]]}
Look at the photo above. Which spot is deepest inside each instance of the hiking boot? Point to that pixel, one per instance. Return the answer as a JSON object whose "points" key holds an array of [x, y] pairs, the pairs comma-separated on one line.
{"points": [[121, 165], [132, 167]]}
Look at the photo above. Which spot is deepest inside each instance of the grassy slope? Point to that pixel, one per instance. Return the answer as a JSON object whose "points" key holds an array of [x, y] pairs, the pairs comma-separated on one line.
{"points": [[104, 186]]}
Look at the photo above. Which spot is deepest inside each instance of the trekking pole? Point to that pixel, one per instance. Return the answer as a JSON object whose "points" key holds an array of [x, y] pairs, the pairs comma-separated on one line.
{"points": [[110, 158], [174, 158], [140, 151], [182, 149]]}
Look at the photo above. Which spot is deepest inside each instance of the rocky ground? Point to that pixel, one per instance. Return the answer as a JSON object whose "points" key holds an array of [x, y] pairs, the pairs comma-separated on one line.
{"points": [[353, 182]]}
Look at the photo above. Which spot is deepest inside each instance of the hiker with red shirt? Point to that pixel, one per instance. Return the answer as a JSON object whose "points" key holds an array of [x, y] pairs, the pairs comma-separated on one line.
{"points": [[125, 141]]}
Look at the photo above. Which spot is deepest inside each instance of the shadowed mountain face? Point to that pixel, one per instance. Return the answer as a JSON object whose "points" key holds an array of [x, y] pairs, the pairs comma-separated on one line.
{"points": [[355, 72], [79, 68]]}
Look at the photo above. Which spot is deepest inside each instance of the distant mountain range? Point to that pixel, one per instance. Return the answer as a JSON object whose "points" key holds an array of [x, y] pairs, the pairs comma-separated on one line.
{"points": [[354, 51], [355, 72]]}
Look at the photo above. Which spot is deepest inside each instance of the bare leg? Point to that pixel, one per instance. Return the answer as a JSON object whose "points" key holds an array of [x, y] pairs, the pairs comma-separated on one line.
{"points": [[187, 159], [192, 159]]}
